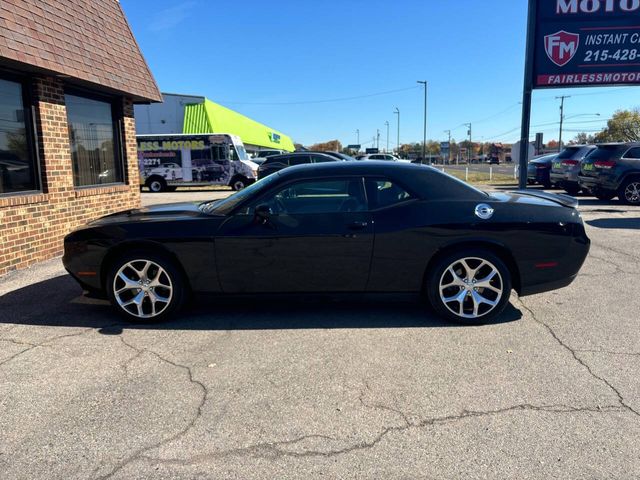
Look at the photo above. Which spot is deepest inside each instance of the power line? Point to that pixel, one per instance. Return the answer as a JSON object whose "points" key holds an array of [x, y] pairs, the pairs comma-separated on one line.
{"points": [[331, 100]]}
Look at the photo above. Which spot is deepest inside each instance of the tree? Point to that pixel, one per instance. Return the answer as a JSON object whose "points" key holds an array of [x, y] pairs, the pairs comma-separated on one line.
{"points": [[624, 126], [583, 139], [330, 146], [552, 145]]}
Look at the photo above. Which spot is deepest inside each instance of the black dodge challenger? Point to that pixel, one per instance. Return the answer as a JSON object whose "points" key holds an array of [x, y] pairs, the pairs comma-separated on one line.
{"points": [[336, 227]]}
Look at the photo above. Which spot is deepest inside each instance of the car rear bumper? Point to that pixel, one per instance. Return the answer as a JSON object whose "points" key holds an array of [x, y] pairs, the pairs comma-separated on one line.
{"points": [[598, 183], [555, 273]]}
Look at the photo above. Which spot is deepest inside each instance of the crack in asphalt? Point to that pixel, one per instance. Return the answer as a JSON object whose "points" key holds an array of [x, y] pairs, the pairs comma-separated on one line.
{"points": [[45, 343], [607, 247], [618, 268], [270, 450], [573, 352], [139, 453], [608, 352], [378, 406]]}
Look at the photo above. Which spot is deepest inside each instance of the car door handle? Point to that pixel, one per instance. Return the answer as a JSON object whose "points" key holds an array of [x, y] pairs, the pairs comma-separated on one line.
{"points": [[358, 225]]}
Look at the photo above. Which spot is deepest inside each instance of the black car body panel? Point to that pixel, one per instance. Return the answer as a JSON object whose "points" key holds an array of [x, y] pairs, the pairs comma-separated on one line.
{"points": [[382, 248]]}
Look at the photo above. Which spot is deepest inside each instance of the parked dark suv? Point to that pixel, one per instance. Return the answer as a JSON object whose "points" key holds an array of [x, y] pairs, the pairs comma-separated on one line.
{"points": [[611, 170], [566, 167], [278, 162]]}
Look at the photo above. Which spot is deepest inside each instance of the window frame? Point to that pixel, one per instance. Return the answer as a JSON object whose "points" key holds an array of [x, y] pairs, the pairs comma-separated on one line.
{"points": [[624, 157], [31, 131], [412, 196], [117, 117]]}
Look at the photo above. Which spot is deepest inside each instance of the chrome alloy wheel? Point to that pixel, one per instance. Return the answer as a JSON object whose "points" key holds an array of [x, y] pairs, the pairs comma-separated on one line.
{"points": [[142, 288], [471, 287], [632, 192]]}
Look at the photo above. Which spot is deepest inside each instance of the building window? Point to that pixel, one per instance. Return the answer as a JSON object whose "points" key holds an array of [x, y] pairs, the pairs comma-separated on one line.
{"points": [[94, 147], [18, 168]]}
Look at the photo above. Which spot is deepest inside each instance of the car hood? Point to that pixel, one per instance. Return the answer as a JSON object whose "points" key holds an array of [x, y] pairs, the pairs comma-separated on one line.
{"points": [[169, 211], [531, 197]]}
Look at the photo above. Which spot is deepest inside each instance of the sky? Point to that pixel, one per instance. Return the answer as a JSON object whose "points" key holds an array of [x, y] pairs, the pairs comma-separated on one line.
{"points": [[321, 70]]}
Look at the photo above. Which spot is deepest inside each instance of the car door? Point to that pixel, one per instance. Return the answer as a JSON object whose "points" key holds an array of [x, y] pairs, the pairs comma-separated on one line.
{"points": [[317, 237]]}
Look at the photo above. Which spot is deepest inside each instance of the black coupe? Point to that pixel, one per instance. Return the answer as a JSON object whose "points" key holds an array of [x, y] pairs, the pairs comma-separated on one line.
{"points": [[336, 227]]}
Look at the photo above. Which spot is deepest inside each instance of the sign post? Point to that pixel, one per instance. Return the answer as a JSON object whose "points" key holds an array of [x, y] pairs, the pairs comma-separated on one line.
{"points": [[578, 43]]}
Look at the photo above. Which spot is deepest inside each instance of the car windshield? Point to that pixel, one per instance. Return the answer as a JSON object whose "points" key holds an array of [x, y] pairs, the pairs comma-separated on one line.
{"points": [[226, 205]]}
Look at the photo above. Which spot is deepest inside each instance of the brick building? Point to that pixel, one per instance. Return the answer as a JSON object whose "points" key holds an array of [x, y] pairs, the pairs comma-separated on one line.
{"points": [[70, 72]]}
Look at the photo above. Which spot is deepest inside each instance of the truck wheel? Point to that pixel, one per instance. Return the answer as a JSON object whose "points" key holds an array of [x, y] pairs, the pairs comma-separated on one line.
{"points": [[157, 184], [238, 183]]}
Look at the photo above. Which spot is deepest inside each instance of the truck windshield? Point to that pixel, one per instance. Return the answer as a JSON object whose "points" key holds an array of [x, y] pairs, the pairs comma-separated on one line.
{"points": [[238, 152]]}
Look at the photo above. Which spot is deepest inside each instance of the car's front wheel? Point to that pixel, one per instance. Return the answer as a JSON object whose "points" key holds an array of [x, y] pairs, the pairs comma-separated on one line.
{"points": [[471, 286], [630, 192], [145, 287]]}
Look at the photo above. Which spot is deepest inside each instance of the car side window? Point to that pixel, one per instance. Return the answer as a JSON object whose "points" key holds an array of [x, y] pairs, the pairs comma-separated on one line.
{"points": [[318, 196], [383, 193], [299, 160], [273, 160], [633, 153], [321, 159]]}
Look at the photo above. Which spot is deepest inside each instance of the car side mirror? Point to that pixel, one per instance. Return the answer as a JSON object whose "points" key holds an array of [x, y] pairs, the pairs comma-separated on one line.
{"points": [[263, 212]]}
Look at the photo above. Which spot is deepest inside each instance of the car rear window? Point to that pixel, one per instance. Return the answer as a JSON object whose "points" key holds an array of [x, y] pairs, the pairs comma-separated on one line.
{"points": [[568, 153], [608, 152]]}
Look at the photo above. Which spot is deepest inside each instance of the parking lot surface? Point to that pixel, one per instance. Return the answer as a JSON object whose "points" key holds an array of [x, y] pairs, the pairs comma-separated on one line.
{"points": [[354, 387]]}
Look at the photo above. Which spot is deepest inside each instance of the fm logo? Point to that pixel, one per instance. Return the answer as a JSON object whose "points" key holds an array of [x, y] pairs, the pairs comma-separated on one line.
{"points": [[561, 47]]}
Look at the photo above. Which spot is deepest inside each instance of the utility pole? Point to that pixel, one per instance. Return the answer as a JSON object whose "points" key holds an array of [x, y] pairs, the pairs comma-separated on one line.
{"points": [[470, 141], [397, 112], [449, 133], [387, 124], [424, 137], [561, 119], [358, 136], [378, 138]]}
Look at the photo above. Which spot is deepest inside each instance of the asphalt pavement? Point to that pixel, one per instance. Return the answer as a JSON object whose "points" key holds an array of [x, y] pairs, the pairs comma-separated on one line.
{"points": [[354, 387]]}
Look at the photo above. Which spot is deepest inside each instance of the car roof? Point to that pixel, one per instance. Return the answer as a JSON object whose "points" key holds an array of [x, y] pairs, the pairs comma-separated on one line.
{"points": [[365, 167], [619, 144]]}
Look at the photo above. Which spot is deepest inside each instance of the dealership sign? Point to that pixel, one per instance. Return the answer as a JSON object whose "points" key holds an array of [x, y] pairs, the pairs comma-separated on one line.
{"points": [[586, 43]]}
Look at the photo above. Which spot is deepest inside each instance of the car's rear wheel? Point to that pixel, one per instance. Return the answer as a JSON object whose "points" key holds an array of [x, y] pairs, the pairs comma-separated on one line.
{"points": [[604, 195], [630, 192], [145, 287], [471, 287]]}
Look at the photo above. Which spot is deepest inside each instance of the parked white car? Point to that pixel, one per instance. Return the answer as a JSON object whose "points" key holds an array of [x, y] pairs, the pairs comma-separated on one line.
{"points": [[381, 156]]}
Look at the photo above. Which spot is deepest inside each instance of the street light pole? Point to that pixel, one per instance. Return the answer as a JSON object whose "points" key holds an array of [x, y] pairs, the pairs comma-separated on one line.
{"points": [[358, 136], [470, 141], [449, 156], [378, 138], [397, 112], [387, 124], [424, 136], [561, 119]]}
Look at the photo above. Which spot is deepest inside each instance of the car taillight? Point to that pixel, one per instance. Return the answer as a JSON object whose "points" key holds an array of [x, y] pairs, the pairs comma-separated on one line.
{"points": [[606, 164], [570, 163]]}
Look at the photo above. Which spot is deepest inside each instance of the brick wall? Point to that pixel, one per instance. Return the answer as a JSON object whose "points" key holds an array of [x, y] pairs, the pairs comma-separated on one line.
{"points": [[32, 226]]}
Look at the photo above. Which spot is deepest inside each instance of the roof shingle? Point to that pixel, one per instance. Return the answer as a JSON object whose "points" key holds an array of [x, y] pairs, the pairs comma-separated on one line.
{"points": [[89, 40]]}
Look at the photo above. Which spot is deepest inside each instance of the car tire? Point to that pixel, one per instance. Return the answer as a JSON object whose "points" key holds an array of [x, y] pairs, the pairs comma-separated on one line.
{"points": [[604, 195], [468, 297], [145, 287], [629, 193], [238, 183], [157, 184]]}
